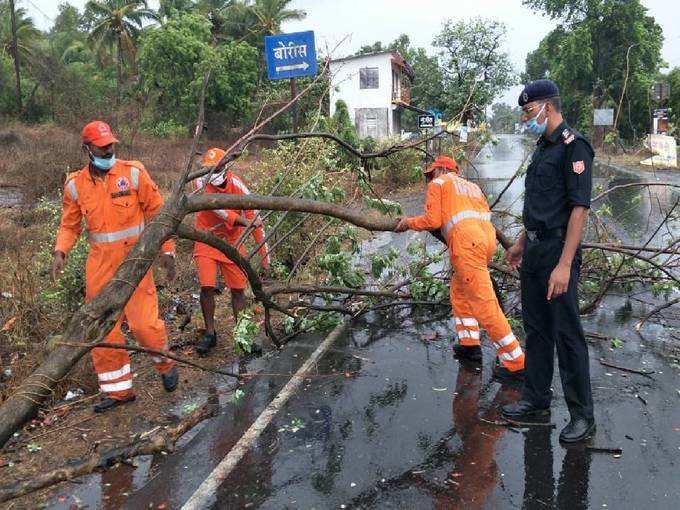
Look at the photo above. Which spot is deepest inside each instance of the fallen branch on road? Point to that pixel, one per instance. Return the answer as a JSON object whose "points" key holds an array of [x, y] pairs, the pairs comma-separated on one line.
{"points": [[656, 310], [625, 369], [166, 354], [162, 439]]}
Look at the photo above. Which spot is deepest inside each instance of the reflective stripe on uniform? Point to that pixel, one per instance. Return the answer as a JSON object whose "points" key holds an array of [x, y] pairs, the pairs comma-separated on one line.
{"points": [[134, 177], [464, 215], [507, 340], [118, 235], [114, 374], [119, 386], [72, 189], [239, 184], [470, 322], [516, 353], [466, 333], [438, 181], [221, 213]]}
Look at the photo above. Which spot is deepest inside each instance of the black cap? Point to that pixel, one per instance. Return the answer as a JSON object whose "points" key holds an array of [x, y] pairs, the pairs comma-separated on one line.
{"points": [[536, 90]]}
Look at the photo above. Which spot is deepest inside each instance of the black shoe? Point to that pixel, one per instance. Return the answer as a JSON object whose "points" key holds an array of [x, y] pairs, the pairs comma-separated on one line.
{"points": [[522, 409], [256, 349], [577, 430], [503, 375], [206, 343], [469, 352], [170, 380], [107, 403]]}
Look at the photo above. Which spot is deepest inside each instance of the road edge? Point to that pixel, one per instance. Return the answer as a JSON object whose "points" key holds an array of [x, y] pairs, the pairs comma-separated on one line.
{"points": [[204, 496]]}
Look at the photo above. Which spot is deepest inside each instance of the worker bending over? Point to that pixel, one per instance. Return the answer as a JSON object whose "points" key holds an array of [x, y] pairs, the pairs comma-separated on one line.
{"points": [[459, 208]]}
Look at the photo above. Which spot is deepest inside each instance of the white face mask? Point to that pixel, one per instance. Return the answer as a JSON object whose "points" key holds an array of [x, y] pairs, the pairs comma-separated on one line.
{"points": [[218, 179]]}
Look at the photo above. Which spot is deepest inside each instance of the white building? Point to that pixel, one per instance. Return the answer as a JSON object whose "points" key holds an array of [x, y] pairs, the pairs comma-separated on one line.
{"points": [[376, 89]]}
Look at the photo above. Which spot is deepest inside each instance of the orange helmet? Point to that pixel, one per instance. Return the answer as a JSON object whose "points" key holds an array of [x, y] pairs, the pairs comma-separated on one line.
{"points": [[98, 133], [446, 162], [212, 156]]}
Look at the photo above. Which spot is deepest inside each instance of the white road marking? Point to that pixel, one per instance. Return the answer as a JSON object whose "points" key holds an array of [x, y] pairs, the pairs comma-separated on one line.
{"points": [[204, 497]]}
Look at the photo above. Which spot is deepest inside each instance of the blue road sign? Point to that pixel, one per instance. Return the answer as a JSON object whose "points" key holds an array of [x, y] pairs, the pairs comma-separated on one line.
{"points": [[290, 55]]}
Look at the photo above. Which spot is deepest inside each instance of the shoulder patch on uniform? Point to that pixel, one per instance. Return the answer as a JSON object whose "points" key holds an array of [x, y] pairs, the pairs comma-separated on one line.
{"points": [[568, 136], [578, 167]]}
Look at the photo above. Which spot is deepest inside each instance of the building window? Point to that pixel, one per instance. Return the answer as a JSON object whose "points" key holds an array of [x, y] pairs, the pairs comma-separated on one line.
{"points": [[368, 78]]}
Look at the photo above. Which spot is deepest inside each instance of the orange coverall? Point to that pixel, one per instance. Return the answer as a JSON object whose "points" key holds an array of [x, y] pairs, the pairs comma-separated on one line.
{"points": [[221, 223], [458, 207], [115, 209]]}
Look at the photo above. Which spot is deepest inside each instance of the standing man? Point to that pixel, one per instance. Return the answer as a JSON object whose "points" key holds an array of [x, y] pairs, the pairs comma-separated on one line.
{"points": [[459, 208], [116, 198], [228, 225], [558, 189]]}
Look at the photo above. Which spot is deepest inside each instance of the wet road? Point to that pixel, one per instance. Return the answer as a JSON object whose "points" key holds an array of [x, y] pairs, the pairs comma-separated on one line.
{"points": [[392, 420]]}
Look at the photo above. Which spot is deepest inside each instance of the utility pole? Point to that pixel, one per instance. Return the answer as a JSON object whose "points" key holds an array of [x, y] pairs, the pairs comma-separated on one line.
{"points": [[15, 54]]}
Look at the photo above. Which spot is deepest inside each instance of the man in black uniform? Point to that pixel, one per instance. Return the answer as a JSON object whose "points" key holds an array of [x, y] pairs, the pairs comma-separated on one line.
{"points": [[558, 189]]}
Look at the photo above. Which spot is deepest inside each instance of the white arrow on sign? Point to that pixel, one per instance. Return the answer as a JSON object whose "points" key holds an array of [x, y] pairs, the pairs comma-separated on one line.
{"points": [[293, 67]]}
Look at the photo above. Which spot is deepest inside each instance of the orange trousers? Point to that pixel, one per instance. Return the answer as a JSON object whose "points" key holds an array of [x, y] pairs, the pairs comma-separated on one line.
{"points": [[472, 245], [141, 314]]}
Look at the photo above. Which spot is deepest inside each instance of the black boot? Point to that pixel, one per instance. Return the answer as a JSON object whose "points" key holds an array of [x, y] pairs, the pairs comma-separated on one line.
{"points": [[578, 429], [503, 375], [206, 343], [170, 380], [469, 352], [256, 348], [523, 410], [106, 403]]}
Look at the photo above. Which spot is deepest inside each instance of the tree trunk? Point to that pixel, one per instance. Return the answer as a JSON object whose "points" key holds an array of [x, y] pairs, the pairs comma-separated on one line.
{"points": [[15, 55], [119, 72]]}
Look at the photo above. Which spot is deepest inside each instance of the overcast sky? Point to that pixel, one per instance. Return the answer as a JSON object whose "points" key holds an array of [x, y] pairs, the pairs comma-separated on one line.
{"points": [[354, 23]]}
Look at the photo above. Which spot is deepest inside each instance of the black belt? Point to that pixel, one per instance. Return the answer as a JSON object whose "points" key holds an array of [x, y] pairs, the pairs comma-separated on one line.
{"points": [[539, 235]]}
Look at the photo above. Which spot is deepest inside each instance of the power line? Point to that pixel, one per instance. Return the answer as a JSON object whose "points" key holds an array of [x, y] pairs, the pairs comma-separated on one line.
{"points": [[45, 15]]}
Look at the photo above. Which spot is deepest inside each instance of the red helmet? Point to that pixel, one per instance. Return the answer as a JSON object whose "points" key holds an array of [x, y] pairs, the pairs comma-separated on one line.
{"points": [[98, 133], [443, 162]]}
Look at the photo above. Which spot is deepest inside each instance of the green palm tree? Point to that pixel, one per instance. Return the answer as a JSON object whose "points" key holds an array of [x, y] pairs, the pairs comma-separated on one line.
{"points": [[269, 15], [168, 9], [28, 37], [117, 23]]}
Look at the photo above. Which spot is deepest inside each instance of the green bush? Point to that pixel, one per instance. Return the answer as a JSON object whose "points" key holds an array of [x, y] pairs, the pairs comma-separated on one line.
{"points": [[164, 129], [403, 167], [69, 292]]}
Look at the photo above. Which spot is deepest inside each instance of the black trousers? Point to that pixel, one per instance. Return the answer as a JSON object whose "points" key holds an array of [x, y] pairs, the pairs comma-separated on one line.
{"points": [[550, 324]]}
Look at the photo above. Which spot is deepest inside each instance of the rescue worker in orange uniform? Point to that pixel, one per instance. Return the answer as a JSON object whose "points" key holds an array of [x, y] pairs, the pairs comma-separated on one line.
{"points": [[116, 198], [459, 208], [229, 226]]}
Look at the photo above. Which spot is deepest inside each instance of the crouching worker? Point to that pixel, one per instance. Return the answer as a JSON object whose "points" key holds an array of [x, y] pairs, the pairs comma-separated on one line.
{"points": [[116, 198], [459, 208], [229, 226]]}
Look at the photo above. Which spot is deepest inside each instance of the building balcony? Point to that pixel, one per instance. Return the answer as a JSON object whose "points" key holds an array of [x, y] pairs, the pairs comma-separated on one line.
{"points": [[402, 96]]}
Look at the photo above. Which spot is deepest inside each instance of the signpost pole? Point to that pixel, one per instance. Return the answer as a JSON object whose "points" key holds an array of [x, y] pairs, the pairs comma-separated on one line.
{"points": [[293, 93]]}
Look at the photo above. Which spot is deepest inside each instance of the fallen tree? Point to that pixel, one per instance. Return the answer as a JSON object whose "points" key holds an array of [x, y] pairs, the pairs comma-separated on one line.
{"points": [[90, 325]]}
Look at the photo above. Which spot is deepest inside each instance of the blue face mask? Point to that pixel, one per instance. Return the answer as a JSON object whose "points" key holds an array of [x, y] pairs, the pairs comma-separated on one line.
{"points": [[103, 164], [534, 127]]}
